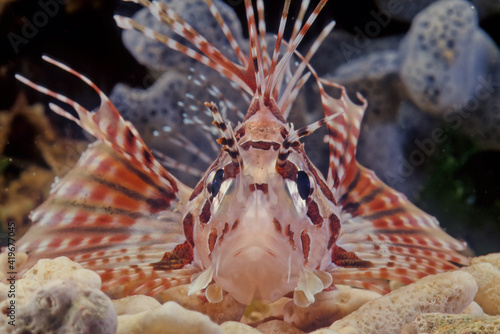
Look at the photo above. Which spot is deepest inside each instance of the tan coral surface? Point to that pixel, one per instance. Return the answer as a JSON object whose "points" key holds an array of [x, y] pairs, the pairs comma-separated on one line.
{"points": [[437, 323], [328, 307], [449, 292], [57, 289], [63, 280], [486, 272], [170, 318]]}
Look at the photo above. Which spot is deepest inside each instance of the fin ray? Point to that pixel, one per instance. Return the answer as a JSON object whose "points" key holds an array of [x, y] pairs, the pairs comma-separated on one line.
{"points": [[385, 237], [117, 211]]}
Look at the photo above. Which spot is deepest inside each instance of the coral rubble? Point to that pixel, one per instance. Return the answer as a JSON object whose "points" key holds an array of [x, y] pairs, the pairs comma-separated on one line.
{"points": [[437, 323], [449, 292], [56, 296], [486, 272]]}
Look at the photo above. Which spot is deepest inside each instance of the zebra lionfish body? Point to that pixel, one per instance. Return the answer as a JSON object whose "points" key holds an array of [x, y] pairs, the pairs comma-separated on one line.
{"points": [[262, 221]]}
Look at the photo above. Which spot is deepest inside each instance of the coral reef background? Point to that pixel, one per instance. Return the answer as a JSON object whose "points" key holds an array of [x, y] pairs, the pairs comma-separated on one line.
{"points": [[413, 81]]}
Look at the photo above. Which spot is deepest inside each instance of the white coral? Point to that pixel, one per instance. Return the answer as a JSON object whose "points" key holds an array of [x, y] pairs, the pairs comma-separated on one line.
{"points": [[135, 304], [170, 318], [328, 307], [231, 327], [449, 292], [486, 272], [62, 268], [452, 323], [57, 306]]}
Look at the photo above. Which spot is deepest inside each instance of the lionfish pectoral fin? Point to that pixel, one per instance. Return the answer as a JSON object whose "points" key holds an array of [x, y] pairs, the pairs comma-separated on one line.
{"points": [[385, 237], [117, 211], [325, 278], [201, 280], [381, 236], [142, 279], [214, 293], [151, 278], [204, 280], [310, 283]]}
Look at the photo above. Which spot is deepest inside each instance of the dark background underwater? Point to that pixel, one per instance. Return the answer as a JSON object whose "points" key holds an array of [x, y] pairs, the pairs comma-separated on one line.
{"points": [[462, 183]]}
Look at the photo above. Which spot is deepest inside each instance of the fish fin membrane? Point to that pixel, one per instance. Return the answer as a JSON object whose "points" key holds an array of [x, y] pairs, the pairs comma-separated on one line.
{"points": [[385, 237], [117, 210]]}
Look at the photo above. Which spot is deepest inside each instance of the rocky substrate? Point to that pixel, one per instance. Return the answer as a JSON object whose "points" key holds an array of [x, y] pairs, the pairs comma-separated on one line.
{"points": [[59, 296]]}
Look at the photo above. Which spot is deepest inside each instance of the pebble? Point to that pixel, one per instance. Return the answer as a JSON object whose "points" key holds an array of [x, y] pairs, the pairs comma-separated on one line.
{"points": [[328, 307], [278, 327], [170, 318], [437, 323], [232, 327], [487, 276], [226, 310], [135, 304], [449, 292], [474, 310], [60, 306]]}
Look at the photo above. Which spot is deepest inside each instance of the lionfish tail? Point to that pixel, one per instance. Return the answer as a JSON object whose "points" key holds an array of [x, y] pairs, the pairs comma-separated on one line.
{"points": [[115, 211]]}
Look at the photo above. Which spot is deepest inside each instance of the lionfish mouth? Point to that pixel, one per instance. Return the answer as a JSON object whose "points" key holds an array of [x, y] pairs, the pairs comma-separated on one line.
{"points": [[255, 249], [257, 272]]}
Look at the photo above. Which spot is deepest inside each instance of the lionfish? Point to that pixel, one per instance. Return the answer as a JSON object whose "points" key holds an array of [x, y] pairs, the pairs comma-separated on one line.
{"points": [[262, 222]]}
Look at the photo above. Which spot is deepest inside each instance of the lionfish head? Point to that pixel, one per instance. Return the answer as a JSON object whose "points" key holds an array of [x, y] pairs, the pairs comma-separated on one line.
{"points": [[262, 226], [257, 222]]}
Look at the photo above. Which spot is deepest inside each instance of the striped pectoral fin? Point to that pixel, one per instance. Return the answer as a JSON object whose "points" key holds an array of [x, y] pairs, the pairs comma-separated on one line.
{"points": [[385, 237], [173, 269], [108, 127], [117, 204], [108, 214]]}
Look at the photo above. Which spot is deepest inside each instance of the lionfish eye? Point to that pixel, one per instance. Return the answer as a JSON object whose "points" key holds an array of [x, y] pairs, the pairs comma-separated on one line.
{"points": [[217, 181], [303, 184]]}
